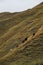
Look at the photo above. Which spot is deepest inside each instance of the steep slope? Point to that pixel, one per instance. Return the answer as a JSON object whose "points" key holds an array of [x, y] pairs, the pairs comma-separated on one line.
{"points": [[7, 20], [22, 43]]}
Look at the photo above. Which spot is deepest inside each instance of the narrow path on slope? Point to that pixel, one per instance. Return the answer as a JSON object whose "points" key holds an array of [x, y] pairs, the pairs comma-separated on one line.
{"points": [[21, 46]]}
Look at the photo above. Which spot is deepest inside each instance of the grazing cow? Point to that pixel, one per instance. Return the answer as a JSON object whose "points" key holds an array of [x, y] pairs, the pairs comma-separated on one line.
{"points": [[24, 40], [33, 34]]}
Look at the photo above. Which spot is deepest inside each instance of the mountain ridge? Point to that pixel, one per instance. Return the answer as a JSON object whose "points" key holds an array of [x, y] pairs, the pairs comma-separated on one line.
{"points": [[21, 37]]}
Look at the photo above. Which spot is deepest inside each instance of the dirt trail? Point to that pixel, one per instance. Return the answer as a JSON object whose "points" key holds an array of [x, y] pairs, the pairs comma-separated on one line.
{"points": [[15, 49], [21, 46], [40, 31]]}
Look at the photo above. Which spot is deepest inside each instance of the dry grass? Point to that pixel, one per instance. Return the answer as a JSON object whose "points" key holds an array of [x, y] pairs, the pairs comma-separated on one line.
{"points": [[21, 37]]}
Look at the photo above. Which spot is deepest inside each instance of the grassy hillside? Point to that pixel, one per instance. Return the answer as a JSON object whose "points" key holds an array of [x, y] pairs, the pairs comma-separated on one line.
{"points": [[21, 37]]}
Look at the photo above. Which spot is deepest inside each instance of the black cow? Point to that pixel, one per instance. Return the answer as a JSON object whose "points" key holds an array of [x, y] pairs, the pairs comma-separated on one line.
{"points": [[24, 40]]}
